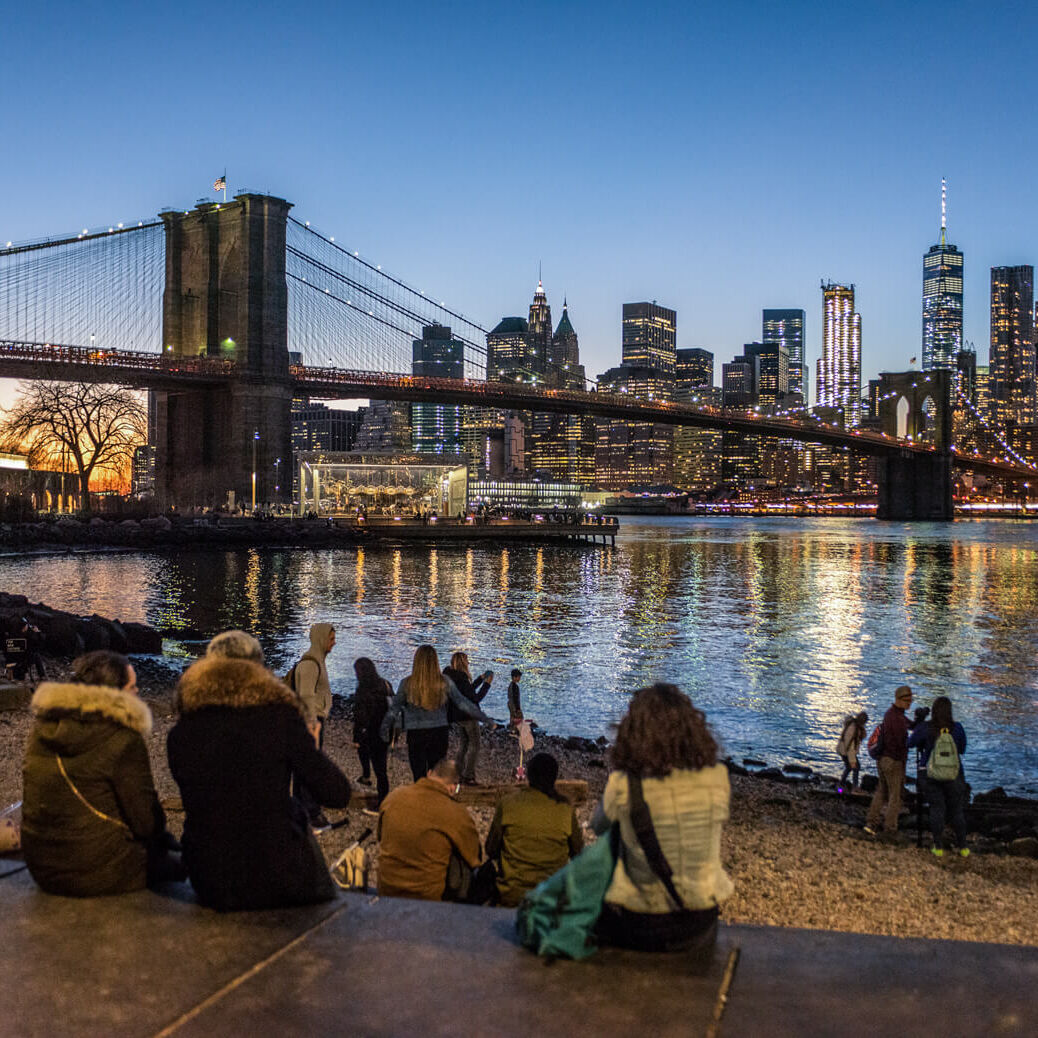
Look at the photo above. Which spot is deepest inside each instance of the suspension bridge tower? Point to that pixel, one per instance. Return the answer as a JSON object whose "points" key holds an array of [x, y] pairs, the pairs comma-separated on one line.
{"points": [[226, 297], [917, 404]]}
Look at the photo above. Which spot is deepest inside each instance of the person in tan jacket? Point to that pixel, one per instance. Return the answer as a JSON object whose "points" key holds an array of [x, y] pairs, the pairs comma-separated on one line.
{"points": [[418, 828]]}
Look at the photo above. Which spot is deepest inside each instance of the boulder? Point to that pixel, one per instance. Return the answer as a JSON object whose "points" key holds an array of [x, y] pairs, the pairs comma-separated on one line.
{"points": [[142, 639], [752, 762], [95, 635], [992, 796], [1025, 847], [158, 523], [60, 631], [869, 783], [796, 769]]}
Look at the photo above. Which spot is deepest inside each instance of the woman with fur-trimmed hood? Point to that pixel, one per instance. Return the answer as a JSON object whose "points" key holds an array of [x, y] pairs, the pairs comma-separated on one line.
{"points": [[240, 738], [90, 817]]}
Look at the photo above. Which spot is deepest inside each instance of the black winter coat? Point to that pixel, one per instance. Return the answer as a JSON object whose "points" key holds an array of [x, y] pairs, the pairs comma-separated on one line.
{"points": [[473, 691], [240, 738], [89, 809], [369, 707]]}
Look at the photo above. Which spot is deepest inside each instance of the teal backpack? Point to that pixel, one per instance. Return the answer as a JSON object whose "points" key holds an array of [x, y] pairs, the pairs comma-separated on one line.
{"points": [[943, 765], [557, 918]]}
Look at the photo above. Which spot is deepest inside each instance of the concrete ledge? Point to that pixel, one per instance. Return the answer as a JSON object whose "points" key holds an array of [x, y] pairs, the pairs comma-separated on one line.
{"points": [[149, 964]]}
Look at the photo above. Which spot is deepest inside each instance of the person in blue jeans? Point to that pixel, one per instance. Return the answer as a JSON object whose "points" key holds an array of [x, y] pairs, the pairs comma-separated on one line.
{"points": [[420, 708], [947, 796]]}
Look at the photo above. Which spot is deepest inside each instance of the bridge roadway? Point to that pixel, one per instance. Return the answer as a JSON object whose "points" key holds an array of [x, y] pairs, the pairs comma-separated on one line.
{"points": [[142, 370]]}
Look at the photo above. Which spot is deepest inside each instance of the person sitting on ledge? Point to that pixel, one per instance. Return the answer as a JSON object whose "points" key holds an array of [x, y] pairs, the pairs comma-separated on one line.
{"points": [[534, 832], [419, 827], [92, 823], [240, 738], [665, 761]]}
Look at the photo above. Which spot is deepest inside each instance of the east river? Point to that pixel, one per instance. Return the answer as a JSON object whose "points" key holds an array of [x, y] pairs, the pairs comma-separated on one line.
{"points": [[776, 628]]}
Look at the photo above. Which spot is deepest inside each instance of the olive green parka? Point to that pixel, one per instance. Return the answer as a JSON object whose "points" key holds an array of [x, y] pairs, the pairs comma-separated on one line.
{"points": [[89, 804]]}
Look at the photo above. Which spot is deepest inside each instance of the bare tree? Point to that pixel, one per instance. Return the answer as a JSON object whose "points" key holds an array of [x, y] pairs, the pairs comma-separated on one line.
{"points": [[96, 427]]}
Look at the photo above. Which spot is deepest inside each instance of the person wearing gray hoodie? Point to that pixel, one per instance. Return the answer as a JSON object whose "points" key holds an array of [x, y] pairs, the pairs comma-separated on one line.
{"points": [[310, 683]]}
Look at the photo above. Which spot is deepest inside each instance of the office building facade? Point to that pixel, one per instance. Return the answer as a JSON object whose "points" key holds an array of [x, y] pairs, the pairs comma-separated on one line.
{"points": [[650, 335], [436, 428], [839, 368], [1011, 369], [786, 328]]}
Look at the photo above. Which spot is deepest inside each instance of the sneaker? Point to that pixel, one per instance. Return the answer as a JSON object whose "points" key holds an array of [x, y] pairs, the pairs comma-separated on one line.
{"points": [[937, 852], [964, 852], [364, 780], [869, 830], [370, 812]]}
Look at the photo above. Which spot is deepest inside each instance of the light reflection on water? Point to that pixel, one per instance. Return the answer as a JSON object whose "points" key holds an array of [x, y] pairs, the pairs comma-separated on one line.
{"points": [[776, 627]]}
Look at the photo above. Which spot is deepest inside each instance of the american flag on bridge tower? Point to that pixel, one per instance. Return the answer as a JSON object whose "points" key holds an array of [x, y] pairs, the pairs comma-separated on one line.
{"points": [[220, 183]]}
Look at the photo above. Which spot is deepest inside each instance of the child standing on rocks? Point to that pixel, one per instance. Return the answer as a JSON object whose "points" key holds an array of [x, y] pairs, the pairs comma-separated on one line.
{"points": [[849, 745], [515, 708]]}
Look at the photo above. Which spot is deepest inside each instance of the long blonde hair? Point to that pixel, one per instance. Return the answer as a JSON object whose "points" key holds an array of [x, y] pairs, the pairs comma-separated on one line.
{"points": [[426, 686], [460, 661]]}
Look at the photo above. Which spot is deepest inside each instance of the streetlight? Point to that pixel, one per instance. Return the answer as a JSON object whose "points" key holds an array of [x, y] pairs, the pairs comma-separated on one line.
{"points": [[277, 483], [255, 437]]}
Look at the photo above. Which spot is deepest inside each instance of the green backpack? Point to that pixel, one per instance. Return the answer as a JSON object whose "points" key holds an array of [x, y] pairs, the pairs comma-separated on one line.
{"points": [[943, 765], [557, 918]]}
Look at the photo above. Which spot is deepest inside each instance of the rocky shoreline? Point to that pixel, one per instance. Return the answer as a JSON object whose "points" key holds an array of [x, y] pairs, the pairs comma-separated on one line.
{"points": [[793, 846], [160, 532]]}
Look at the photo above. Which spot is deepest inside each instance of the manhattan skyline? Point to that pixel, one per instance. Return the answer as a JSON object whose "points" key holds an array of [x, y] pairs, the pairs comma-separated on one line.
{"points": [[659, 177]]}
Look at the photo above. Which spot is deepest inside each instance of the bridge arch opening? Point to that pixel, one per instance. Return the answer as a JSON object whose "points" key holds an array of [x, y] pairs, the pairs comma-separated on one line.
{"points": [[904, 409]]}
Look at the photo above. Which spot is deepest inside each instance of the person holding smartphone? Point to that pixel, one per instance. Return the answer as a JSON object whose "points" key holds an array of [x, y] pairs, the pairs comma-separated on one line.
{"points": [[475, 692]]}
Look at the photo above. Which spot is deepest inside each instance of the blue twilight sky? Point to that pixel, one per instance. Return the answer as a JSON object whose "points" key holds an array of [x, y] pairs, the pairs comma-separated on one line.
{"points": [[718, 158]]}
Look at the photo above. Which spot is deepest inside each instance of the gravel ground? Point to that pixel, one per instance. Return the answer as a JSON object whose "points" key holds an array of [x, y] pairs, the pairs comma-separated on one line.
{"points": [[796, 853]]}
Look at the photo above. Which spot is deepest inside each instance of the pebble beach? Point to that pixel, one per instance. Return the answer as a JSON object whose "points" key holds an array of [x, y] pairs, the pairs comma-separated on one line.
{"points": [[795, 850]]}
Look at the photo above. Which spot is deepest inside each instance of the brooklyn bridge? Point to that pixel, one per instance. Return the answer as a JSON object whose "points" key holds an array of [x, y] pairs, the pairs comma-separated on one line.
{"points": [[229, 311]]}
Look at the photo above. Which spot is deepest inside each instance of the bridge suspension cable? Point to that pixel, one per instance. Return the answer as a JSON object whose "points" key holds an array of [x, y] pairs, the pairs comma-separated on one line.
{"points": [[100, 289], [348, 311]]}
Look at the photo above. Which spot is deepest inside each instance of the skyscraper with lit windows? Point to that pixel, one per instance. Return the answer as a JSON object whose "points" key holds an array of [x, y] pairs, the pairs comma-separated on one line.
{"points": [[942, 301], [1012, 357], [436, 428], [650, 335], [839, 367], [786, 328]]}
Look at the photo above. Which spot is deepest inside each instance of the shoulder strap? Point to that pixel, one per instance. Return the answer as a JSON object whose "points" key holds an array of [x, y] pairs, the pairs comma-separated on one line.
{"points": [[646, 833], [83, 800]]}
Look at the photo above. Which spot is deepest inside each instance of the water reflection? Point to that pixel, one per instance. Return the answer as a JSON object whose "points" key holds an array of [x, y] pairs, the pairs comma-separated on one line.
{"points": [[776, 628]]}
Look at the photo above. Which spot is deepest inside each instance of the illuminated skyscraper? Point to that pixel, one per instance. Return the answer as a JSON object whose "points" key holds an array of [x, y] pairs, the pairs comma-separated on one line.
{"points": [[562, 447], [1012, 358], [942, 301], [786, 327], [697, 452], [839, 368], [650, 335], [634, 453], [436, 428], [539, 331], [508, 351]]}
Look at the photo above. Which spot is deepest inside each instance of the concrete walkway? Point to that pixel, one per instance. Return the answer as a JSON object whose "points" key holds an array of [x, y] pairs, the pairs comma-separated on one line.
{"points": [[156, 964]]}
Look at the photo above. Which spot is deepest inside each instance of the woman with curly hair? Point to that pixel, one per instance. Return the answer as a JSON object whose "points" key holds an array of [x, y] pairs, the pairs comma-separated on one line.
{"points": [[664, 897]]}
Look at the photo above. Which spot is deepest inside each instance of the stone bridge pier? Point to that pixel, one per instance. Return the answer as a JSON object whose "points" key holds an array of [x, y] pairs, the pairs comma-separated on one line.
{"points": [[226, 296], [917, 486]]}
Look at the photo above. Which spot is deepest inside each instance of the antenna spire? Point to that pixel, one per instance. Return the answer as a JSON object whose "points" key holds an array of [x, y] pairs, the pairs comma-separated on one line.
{"points": [[944, 207]]}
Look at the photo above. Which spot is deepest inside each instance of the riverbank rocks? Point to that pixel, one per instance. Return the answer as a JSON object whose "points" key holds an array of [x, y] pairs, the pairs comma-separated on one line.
{"points": [[1025, 847], [66, 635]]}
